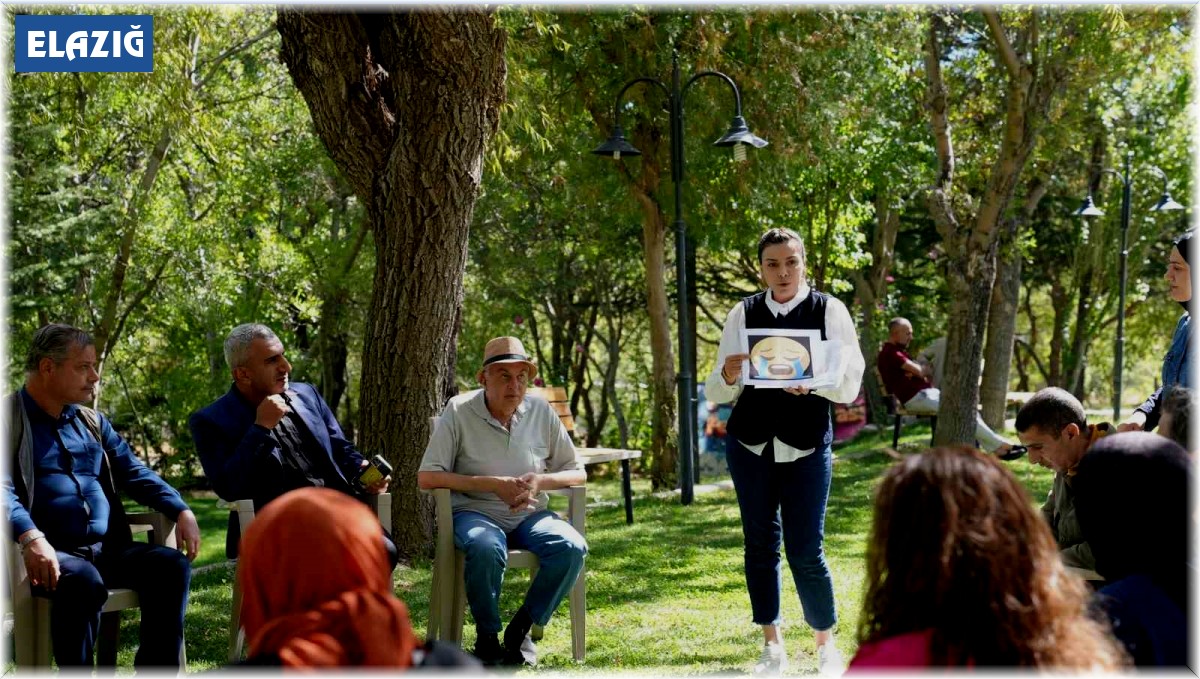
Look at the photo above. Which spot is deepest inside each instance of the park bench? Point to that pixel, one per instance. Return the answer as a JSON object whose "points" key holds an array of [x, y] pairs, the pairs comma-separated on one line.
{"points": [[557, 398], [1013, 399], [896, 409]]}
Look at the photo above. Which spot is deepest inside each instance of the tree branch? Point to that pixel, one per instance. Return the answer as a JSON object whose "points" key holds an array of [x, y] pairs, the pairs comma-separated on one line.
{"points": [[1008, 56], [935, 103]]}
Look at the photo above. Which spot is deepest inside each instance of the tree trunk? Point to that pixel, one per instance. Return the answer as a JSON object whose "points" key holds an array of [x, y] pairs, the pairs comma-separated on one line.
{"points": [[1002, 317], [998, 352], [404, 103], [664, 446], [871, 287]]}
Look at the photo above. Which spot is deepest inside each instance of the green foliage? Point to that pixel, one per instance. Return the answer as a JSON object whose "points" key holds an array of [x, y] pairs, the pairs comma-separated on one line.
{"points": [[246, 220]]}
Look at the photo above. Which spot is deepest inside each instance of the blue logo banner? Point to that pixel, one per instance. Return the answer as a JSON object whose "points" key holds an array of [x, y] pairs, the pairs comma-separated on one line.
{"points": [[84, 43]]}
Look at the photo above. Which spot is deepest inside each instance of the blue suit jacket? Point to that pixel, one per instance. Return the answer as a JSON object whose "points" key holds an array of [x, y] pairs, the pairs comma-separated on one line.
{"points": [[242, 460]]}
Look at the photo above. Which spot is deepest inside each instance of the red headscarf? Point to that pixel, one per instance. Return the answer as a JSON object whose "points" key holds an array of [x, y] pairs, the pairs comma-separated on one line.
{"points": [[316, 587]]}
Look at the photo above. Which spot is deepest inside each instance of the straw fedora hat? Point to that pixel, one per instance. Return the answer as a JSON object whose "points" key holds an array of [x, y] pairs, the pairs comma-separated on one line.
{"points": [[507, 350]]}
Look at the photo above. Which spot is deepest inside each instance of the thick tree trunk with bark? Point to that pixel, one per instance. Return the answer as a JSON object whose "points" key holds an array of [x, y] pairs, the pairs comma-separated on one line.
{"points": [[404, 102], [1002, 316]]}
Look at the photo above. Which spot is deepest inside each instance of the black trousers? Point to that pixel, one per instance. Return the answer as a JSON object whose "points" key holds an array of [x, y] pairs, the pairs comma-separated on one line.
{"points": [[161, 576]]}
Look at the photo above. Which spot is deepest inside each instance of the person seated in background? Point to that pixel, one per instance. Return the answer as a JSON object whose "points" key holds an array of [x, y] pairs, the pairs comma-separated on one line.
{"points": [[933, 357], [1131, 496], [909, 382], [318, 589], [962, 572], [499, 450], [1176, 415], [267, 436], [1053, 426]]}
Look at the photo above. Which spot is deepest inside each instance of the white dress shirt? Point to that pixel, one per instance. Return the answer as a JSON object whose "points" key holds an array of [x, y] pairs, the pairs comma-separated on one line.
{"points": [[838, 326]]}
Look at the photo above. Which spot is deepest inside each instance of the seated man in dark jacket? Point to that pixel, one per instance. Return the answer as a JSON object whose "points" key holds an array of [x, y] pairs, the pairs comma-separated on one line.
{"points": [[265, 436], [75, 539]]}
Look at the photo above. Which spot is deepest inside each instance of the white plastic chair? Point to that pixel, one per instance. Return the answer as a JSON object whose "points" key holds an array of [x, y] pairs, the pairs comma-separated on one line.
{"points": [[31, 614]]}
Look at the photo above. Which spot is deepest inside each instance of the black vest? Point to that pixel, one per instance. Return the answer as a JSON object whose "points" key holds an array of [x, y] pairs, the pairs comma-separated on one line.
{"points": [[761, 415]]}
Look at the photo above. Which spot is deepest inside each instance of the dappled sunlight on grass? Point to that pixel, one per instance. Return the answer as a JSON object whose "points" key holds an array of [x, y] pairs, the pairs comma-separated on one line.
{"points": [[666, 595]]}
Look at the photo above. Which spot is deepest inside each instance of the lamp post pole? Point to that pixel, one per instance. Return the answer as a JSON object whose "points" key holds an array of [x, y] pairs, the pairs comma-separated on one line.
{"points": [[738, 137], [1089, 209], [1119, 350]]}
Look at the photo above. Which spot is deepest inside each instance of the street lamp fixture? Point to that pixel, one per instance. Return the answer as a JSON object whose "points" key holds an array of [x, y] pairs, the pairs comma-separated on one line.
{"points": [[1089, 209], [739, 137]]}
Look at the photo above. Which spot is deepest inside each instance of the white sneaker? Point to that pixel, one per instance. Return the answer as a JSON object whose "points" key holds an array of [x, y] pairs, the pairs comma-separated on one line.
{"points": [[829, 660], [772, 661]]}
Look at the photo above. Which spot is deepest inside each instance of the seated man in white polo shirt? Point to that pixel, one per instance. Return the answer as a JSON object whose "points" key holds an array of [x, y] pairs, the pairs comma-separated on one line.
{"points": [[498, 450]]}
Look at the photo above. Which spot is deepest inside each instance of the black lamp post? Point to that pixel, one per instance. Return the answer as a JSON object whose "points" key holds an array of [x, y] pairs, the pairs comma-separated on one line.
{"points": [[739, 137], [1089, 209]]}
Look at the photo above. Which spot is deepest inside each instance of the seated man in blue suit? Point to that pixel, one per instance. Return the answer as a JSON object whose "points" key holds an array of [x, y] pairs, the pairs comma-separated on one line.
{"points": [[265, 437]]}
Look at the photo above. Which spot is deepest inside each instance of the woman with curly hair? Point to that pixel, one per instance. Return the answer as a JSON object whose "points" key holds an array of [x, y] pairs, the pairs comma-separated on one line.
{"points": [[962, 571]]}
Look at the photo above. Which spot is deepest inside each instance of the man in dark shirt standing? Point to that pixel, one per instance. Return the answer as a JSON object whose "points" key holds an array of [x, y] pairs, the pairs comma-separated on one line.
{"points": [[74, 539], [908, 381], [265, 437]]}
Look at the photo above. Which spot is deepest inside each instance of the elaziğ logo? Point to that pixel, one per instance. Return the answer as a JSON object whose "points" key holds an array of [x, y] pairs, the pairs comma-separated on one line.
{"points": [[85, 43]]}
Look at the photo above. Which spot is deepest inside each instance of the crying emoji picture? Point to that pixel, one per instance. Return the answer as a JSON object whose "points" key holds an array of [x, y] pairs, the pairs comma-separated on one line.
{"points": [[779, 358]]}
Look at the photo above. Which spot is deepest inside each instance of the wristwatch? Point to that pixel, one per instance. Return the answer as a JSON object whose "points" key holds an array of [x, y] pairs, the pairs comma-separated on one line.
{"points": [[28, 539]]}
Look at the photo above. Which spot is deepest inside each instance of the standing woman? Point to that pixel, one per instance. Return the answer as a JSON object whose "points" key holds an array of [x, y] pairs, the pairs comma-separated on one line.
{"points": [[1177, 365], [780, 449]]}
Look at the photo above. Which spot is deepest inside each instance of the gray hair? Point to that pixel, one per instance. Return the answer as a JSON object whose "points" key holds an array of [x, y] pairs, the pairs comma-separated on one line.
{"points": [[237, 345], [54, 341]]}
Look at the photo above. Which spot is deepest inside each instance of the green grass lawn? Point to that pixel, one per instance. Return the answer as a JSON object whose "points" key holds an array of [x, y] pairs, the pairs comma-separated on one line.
{"points": [[665, 595]]}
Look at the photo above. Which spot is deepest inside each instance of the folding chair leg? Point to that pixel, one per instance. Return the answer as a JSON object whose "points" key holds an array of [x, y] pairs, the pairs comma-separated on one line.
{"points": [[459, 609], [237, 637]]}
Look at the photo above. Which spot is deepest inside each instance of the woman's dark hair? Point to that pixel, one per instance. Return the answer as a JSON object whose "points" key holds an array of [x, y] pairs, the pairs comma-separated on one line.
{"points": [[777, 236], [958, 549]]}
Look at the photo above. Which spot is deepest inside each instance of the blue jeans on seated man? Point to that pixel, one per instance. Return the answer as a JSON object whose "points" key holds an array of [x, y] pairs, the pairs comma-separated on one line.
{"points": [[784, 501], [160, 575], [559, 548]]}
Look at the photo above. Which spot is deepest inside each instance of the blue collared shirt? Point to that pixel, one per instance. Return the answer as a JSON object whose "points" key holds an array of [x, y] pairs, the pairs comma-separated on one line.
{"points": [[69, 501]]}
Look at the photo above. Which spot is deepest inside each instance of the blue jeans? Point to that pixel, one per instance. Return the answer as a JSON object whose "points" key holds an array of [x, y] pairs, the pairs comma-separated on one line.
{"points": [[784, 501], [559, 548], [160, 575]]}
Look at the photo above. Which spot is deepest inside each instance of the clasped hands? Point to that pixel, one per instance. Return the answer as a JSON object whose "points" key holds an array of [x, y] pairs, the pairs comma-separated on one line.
{"points": [[520, 492]]}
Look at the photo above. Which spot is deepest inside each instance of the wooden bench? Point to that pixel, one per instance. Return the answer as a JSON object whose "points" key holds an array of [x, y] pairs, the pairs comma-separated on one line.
{"points": [[557, 398], [896, 409]]}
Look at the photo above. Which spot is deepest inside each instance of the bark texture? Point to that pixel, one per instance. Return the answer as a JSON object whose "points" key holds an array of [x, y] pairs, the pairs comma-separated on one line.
{"points": [[405, 102], [1002, 316]]}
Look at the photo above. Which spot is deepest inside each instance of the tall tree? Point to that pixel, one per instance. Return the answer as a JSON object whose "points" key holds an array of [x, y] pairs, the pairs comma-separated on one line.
{"points": [[405, 102], [1033, 74]]}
